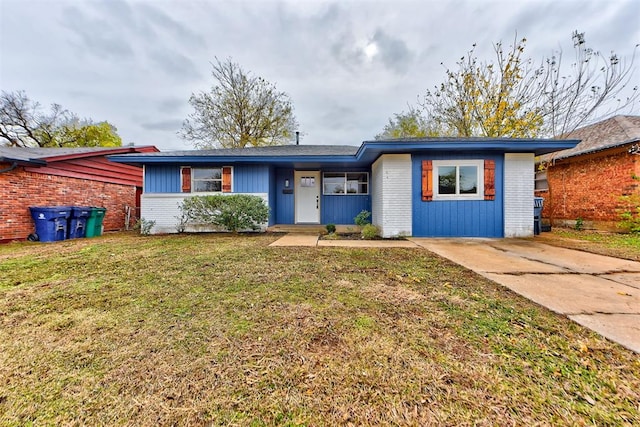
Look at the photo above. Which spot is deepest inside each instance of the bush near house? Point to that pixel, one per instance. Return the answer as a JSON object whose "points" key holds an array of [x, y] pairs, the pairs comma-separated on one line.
{"points": [[362, 218], [630, 215], [233, 212], [370, 232]]}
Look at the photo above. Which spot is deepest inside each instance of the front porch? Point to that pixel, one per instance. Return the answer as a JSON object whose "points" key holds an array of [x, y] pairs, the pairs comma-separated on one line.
{"points": [[311, 228]]}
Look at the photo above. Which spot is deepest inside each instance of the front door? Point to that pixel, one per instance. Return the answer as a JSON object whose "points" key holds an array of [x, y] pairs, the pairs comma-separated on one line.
{"points": [[307, 197]]}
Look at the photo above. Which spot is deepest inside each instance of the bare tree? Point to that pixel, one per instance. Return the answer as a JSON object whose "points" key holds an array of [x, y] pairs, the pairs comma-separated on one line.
{"points": [[24, 124], [588, 93], [240, 110], [512, 96]]}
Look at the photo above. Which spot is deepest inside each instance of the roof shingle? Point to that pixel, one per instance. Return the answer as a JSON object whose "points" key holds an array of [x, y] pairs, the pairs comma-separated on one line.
{"points": [[609, 133], [275, 150]]}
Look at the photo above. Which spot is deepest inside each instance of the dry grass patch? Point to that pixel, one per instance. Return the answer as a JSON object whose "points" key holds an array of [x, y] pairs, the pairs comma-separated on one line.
{"points": [[224, 330]]}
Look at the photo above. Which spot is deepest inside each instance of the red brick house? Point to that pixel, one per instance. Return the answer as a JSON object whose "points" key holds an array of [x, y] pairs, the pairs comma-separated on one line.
{"points": [[586, 182], [65, 177]]}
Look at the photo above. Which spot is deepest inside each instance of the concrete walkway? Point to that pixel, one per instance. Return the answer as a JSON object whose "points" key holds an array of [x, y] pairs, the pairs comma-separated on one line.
{"points": [[291, 239], [599, 292], [313, 240]]}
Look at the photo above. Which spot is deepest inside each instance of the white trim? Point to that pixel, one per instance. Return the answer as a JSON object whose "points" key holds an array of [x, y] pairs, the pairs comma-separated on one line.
{"points": [[479, 164], [345, 193], [540, 178], [204, 193], [297, 199], [518, 194], [391, 195]]}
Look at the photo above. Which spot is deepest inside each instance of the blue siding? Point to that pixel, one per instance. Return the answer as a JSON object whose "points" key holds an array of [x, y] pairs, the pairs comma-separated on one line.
{"points": [[342, 209], [251, 179], [162, 179], [246, 178], [284, 207], [333, 209], [272, 196], [457, 218]]}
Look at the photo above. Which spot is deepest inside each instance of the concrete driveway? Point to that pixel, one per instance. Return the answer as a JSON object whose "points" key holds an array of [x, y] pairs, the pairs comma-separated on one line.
{"points": [[599, 292]]}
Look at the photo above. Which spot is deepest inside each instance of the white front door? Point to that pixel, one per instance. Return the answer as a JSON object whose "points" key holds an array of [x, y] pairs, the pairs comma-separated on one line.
{"points": [[307, 197]]}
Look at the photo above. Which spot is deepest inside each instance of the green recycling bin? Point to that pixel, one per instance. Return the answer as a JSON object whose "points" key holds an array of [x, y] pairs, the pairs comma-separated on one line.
{"points": [[94, 222]]}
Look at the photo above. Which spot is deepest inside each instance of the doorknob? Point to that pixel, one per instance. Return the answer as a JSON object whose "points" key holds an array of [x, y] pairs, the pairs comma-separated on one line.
{"points": [[317, 202]]}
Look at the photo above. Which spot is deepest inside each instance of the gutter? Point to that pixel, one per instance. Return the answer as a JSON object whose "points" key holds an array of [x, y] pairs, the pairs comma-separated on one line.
{"points": [[10, 168], [20, 162], [368, 151]]}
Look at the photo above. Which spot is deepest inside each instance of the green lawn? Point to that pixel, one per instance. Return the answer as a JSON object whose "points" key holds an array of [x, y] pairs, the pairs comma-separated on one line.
{"points": [[223, 330], [619, 245]]}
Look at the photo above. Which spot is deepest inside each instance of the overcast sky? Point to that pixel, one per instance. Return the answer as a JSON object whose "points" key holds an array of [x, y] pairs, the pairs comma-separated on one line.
{"points": [[347, 65]]}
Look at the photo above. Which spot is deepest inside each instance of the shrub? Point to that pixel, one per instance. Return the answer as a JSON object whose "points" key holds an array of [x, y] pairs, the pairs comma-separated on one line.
{"points": [[234, 212], [331, 228], [579, 224], [370, 232], [332, 236], [630, 215], [144, 226], [362, 218]]}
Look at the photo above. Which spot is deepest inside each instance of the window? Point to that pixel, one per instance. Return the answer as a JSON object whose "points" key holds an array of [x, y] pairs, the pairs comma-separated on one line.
{"points": [[206, 180], [460, 179], [541, 183], [308, 181], [345, 183]]}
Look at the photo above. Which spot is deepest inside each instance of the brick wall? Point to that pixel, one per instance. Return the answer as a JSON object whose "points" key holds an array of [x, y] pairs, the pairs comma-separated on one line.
{"points": [[20, 189], [589, 187]]}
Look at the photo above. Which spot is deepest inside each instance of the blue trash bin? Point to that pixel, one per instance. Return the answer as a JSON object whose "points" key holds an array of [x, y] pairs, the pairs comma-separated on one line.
{"points": [[538, 202], [51, 222], [78, 222]]}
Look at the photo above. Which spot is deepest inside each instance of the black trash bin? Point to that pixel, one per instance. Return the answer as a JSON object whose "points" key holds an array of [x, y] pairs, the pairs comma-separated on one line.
{"points": [[538, 203], [51, 222], [78, 221]]}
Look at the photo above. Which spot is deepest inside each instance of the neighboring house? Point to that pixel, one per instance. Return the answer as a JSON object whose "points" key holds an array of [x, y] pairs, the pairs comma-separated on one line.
{"points": [[444, 187], [586, 182], [65, 177]]}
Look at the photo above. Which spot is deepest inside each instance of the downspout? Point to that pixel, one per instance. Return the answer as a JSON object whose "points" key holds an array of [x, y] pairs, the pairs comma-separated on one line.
{"points": [[10, 168]]}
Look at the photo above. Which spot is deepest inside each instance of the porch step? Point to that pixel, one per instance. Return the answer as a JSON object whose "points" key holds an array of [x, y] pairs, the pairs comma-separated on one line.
{"points": [[311, 228], [297, 228]]}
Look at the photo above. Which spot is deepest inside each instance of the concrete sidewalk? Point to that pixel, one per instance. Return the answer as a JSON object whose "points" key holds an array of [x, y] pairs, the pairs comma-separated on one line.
{"points": [[599, 292], [314, 240]]}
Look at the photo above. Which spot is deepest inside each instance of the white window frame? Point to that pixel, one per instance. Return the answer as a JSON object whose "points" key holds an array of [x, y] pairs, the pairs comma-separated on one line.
{"points": [[345, 193], [479, 164], [541, 182], [193, 179]]}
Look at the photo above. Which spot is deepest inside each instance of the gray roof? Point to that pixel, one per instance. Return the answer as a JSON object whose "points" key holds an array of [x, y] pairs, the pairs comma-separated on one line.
{"points": [[276, 150], [38, 155], [21, 155], [44, 152], [614, 132]]}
